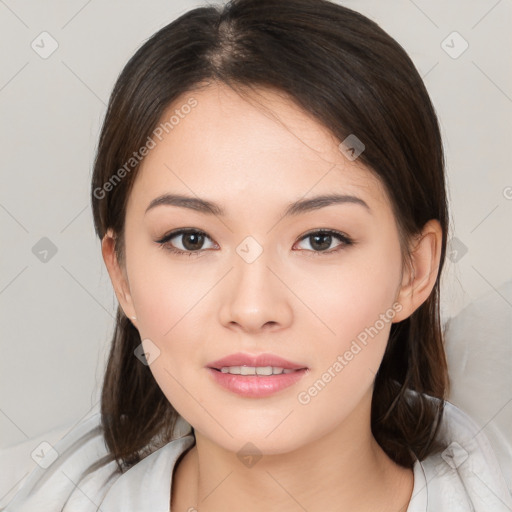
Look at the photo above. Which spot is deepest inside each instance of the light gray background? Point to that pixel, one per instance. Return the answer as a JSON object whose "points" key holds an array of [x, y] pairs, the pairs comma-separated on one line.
{"points": [[57, 316]]}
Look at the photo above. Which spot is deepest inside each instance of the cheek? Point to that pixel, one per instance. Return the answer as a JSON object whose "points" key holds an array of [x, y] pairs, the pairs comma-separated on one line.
{"points": [[168, 303], [351, 295], [345, 334], [164, 290], [174, 300], [354, 303]]}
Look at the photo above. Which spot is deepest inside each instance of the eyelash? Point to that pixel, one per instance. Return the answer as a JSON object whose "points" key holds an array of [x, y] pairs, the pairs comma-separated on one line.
{"points": [[164, 241]]}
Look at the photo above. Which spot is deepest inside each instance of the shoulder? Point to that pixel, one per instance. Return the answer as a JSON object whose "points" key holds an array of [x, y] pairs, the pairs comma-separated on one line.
{"points": [[465, 476], [56, 479], [61, 480], [146, 486]]}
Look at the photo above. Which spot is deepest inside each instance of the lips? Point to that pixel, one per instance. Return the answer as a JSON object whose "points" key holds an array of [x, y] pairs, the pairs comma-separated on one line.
{"points": [[260, 360]]}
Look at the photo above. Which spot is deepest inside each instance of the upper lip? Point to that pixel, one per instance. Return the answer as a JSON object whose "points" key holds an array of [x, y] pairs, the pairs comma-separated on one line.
{"points": [[266, 359]]}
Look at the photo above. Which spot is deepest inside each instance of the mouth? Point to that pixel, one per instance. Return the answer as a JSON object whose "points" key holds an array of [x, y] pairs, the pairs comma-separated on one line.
{"points": [[253, 385], [255, 376], [256, 370], [259, 364]]}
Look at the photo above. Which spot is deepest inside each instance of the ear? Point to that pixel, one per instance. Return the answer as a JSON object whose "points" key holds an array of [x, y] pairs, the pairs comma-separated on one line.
{"points": [[117, 275], [420, 276]]}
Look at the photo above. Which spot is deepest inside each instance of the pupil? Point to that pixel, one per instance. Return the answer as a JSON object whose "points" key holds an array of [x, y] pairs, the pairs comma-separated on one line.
{"points": [[320, 246], [194, 245]]}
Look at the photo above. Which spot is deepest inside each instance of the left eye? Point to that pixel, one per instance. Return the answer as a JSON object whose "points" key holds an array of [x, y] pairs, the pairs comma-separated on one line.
{"points": [[320, 241]]}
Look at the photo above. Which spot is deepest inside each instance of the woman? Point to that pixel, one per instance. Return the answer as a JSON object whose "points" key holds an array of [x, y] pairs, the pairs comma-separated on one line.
{"points": [[270, 195]]}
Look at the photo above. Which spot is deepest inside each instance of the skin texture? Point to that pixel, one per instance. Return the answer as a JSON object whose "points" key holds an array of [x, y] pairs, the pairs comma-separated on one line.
{"points": [[254, 158]]}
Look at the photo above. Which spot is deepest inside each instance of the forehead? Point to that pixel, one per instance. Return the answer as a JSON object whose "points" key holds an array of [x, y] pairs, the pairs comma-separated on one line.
{"points": [[260, 145]]}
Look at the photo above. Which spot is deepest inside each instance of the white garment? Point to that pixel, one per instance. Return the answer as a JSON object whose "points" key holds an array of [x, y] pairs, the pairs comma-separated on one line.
{"points": [[466, 477]]}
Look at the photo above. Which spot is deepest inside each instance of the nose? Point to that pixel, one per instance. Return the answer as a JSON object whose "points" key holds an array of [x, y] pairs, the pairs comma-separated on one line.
{"points": [[255, 297]]}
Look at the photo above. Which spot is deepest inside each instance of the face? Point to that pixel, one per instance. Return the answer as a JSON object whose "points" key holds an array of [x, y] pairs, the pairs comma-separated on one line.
{"points": [[315, 286]]}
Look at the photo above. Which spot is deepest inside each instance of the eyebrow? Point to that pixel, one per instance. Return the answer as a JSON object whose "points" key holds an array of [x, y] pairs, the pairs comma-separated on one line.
{"points": [[293, 209]]}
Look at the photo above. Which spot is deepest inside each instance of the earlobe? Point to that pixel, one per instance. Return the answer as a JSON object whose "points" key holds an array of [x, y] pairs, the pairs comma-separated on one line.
{"points": [[420, 275], [117, 274]]}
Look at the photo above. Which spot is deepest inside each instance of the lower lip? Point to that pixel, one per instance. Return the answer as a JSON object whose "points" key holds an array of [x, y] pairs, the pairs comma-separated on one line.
{"points": [[256, 386]]}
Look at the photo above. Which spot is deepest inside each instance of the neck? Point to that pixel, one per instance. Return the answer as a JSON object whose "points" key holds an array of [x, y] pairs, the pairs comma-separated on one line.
{"points": [[345, 466]]}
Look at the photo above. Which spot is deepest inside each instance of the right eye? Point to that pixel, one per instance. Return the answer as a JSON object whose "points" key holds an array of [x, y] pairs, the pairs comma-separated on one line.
{"points": [[191, 244]]}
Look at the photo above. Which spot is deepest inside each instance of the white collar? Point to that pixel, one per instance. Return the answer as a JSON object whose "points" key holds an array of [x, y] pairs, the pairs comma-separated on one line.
{"points": [[463, 478]]}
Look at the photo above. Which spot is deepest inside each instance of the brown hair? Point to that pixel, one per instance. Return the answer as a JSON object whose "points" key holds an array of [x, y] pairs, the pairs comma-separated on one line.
{"points": [[352, 77]]}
